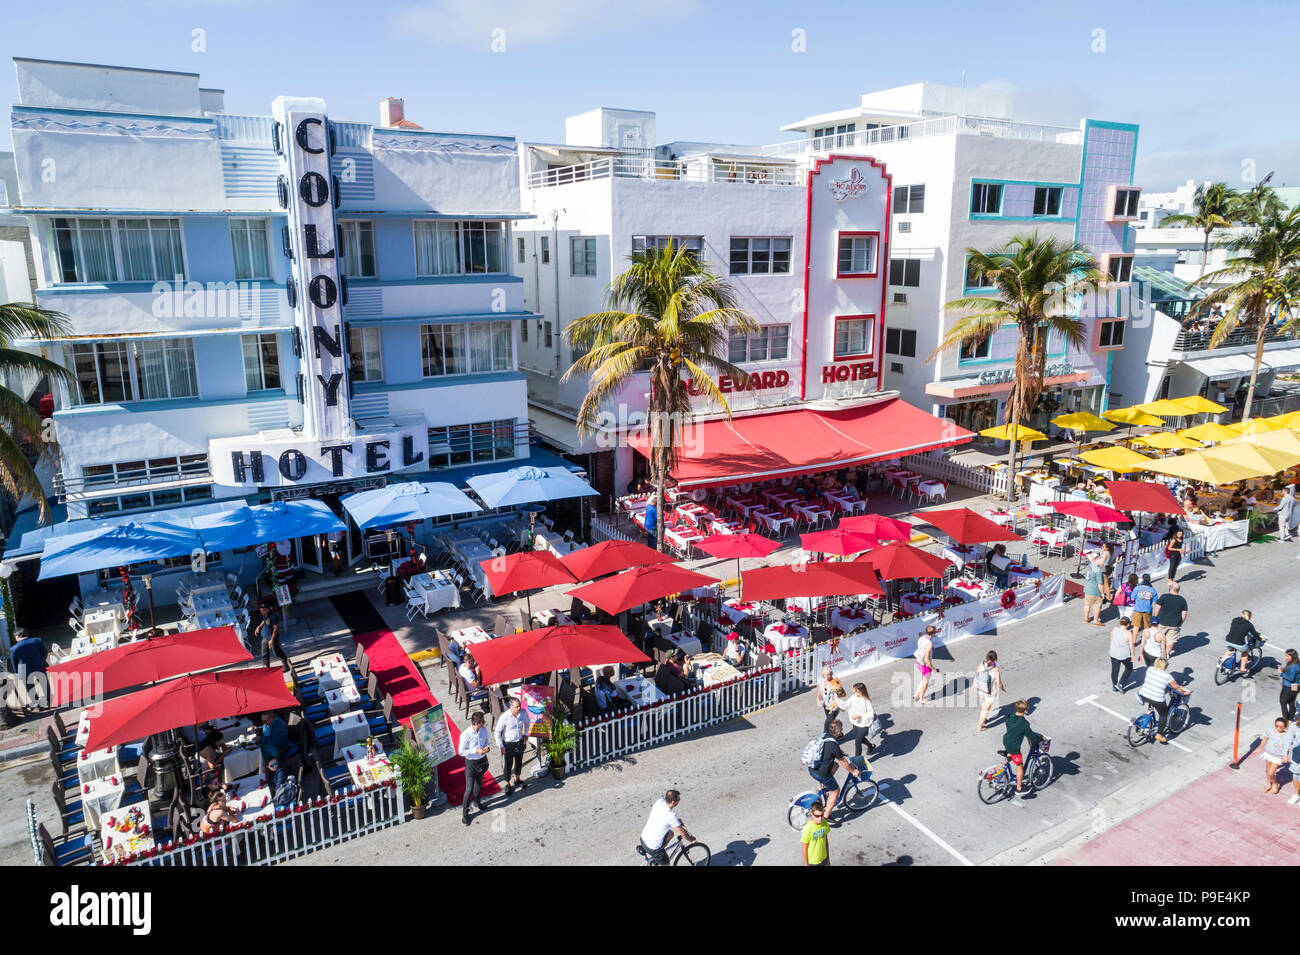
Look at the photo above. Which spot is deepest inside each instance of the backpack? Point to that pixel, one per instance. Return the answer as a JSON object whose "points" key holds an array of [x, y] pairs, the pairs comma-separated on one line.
{"points": [[286, 794], [812, 753]]}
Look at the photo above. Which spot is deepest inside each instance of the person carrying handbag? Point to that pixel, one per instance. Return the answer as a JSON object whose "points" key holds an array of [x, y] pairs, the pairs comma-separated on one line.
{"points": [[862, 715]]}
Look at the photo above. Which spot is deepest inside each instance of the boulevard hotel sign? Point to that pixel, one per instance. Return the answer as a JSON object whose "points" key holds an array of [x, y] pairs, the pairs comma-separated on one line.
{"points": [[328, 447]]}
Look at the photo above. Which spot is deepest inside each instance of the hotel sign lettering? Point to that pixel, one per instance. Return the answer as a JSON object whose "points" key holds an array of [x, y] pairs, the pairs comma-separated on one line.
{"points": [[858, 371], [757, 381], [271, 460]]}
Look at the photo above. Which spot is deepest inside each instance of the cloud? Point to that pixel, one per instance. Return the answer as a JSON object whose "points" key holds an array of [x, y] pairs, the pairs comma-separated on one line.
{"points": [[1165, 169], [470, 23]]}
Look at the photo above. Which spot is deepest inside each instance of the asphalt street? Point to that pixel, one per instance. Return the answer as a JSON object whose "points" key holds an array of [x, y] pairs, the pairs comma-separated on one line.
{"points": [[737, 780]]}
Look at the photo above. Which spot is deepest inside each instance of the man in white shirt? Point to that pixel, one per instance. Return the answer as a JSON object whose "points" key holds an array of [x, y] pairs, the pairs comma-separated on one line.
{"points": [[474, 747], [509, 732], [663, 820]]}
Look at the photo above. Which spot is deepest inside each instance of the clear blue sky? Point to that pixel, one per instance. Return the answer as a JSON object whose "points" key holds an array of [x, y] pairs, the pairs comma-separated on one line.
{"points": [[1211, 84]]}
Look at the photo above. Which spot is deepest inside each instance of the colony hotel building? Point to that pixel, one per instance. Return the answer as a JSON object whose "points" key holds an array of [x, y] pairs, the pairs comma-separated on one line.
{"points": [[265, 306], [844, 245]]}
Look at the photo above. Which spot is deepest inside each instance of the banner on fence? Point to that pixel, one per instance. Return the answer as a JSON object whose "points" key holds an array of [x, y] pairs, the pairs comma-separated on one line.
{"points": [[898, 640], [429, 728], [536, 702]]}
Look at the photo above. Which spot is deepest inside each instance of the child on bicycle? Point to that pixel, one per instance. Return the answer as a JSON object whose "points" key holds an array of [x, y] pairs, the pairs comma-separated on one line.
{"points": [[1242, 638], [1017, 732]]}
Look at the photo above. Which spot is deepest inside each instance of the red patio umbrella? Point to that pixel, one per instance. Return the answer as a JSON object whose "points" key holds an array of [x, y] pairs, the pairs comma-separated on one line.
{"points": [[899, 561], [144, 661], [188, 701], [520, 655], [640, 585], [819, 579], [738, 546], [1091, 511], [1150, 497], [885, 528], [609, 557], [526, 570], [838, 541], [966, 527]]}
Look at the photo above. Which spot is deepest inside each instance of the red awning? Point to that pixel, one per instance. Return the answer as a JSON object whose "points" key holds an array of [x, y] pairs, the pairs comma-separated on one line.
{"points": [[1147, 496], [803, 440]]}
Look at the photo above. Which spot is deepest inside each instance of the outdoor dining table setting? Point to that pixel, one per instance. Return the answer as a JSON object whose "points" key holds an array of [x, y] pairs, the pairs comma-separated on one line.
{"points": [[98, 763], [1000, 516], [555, 543], [101, 796], [332, 671], [738, 611], [963, 554], [1049, 536], [916, 603], [849, 503], [811, 512], [468, 636], [1018, 574], [85, 644], [438, 588], [367, 769], [712, 669], [349, 728], [544, 618], [849, 619], [932, 489], [126, 831], [639, 691], [785, 636], [468, 550], [968, 589]]}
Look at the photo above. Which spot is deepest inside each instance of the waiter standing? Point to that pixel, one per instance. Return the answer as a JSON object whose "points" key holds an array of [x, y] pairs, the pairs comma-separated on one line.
{"points": [[509, 732], [474, 747]]}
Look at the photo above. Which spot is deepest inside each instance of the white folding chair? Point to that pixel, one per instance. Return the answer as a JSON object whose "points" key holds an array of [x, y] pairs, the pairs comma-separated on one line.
{"points": [[76, 626]]}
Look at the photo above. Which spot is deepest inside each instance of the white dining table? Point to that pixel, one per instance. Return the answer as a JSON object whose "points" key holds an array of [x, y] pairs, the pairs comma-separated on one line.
{"points": [[83, 644], [105, 621], [438, 589], [342, 698], [932, 489], [97, 763], [349, 728], [1023, 575], [854, 505], [240, 761], [776, 523], [117, 844], [786, 636], [639, 691], [738, 612], [919, 603], [962, 554], [213, 598], [1004, 518], [101, 796], [850, 619], [967, 589]]}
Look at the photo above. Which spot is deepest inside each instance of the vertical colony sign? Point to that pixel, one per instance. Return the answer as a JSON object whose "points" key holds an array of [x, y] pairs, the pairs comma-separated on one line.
{"points": [[328, 447]]}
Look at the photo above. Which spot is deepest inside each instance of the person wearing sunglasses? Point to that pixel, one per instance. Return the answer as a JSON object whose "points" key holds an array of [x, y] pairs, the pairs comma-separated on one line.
{"points": [[816, 836]]}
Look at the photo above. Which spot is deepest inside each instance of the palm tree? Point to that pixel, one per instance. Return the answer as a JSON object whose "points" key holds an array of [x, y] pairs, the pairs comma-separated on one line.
{"points": [[22, 425], [1259, 202], [1264, 289], [1214, 206], [1036, 283], [671, 316]]}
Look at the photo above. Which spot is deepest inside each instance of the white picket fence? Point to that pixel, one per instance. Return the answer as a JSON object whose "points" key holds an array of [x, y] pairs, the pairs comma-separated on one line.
{"points": [[605, 738], [946, 469], [603, 529], [290, 833]]}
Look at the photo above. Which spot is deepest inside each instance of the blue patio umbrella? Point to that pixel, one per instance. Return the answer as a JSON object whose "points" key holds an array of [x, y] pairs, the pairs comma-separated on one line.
{"points": [[525, 485], [409, 501], [266, 523], [129, 543]]}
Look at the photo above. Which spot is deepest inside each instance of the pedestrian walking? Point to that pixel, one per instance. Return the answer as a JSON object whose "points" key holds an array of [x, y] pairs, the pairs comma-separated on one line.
{"points": [[1123, 654], [862, 715], [1171, 614], [271, 630], [1143, 599], [815, 839], [839, 700], [474, 748], [988, 683], [1174, 551], [827, 698], [509, 734], [1096, 589], [1290, 674], [1278, 748], [1124, 597], [1285, 509], [1153, 645], [924, 662]]}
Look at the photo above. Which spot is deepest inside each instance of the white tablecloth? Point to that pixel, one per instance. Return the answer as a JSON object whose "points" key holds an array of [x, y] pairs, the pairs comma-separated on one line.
{"points": [[100, 762], [794, 636], [101, 796], [1004, 518], [661, 625], [806, 604], [639, 691], [212, 598], [119, 844], [438, 589], [718, 673], [83, 729], [1054, 536], [468, 636], [349, 728], [84, 645], [775, 524], [253, 805], [849, 619], [738, 612], [107, 621], [959, 554], [853, 505], [240, 762], [932, 489], [342, 699], [683, 641], [1017, 577], [919, 603], [1220, 536], [542, 618], [364, 770], [968, 589], [812, 512]]}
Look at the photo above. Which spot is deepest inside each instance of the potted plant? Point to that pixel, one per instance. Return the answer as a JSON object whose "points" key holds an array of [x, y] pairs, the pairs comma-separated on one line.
{"points": [[415, 771], [562, 740]]}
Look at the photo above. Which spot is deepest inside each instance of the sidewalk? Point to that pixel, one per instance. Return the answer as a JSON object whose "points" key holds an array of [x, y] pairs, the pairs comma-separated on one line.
{"points": [[1221, 819]]}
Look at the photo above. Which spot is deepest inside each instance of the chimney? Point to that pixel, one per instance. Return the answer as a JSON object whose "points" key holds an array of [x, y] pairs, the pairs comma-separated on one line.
{"points": [[390, 111]]}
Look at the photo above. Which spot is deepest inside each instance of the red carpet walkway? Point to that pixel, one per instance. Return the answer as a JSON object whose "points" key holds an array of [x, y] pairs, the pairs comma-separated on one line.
{"points": [[1223, 819], [402, 680]]}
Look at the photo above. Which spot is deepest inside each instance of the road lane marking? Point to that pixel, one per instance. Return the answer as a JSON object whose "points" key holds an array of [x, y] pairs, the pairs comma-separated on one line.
{"points": [[1093, 700], [1273, 646], [922, 827]]}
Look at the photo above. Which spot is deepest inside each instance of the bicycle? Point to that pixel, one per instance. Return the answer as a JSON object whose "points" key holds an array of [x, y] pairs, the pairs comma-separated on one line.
{"points": [[681, 853], [1230, 663], [1142, 729], [999, 782], [857, 795]]}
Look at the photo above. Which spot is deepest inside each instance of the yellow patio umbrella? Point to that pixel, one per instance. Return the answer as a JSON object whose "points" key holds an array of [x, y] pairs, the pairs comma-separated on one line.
{"points": [[1120, 460], [1206, 467], [1132, 416], [1256, 426], [1166, 407], [1082, 421], [1007, 432], [1268, 461], [1197, 404], [1210, 431], [1290, 419], [1169, 441], [1282, 440]]}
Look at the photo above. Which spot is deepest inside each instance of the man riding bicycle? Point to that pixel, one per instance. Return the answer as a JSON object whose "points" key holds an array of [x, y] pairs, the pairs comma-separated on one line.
{"points": [[1016, 733], [663, 822], [823, 770], [1242, 637]]}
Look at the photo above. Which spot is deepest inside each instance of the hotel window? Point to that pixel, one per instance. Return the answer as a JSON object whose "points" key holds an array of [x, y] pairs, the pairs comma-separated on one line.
{"points": [[985, 199], [471, 348], [251, 248], [973, 350], [165, 369], [975, 278], [834, 135], [151, 249], [1111, 335], [108, 372], [365, 355], [857, 255], [582, 256], [358, 255], [262, 362], [909, 199], [83, 250], [1120, 268], [466, 443], [905, 272], [901, 342], [770, 343], [147, 501], [853, 336], [546, 249], [1047, 201], [459, 248], [760, 256], [1126, 204], [694, 244], [549, 332], [519, 249]]}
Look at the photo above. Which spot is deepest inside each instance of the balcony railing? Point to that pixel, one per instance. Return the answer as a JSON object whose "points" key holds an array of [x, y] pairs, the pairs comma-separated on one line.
{"points": [[681, 170], [1200, 341], [941, 126]]}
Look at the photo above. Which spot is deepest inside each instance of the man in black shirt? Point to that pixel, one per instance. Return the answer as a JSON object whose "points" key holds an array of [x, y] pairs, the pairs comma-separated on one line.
{"points": [[1242, 637], [824, 769], [1171, 612]]}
